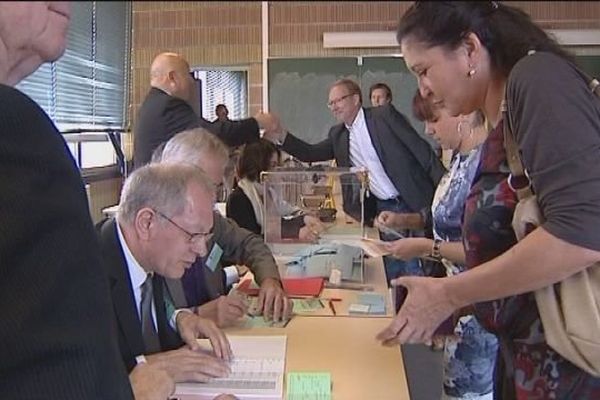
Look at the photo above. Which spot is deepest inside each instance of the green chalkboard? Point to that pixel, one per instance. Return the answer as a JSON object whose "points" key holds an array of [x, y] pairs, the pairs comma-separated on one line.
{"points": [[590, 64], [393, 72], [299, 88], [298, 91]]}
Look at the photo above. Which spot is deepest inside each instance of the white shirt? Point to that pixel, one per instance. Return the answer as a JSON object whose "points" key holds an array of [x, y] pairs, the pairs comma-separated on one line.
{"points": [[137, 275], [363, 154]]}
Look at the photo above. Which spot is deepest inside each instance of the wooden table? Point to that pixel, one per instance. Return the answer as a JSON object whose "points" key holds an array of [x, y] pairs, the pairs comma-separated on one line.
{"points": [[345, 346]]}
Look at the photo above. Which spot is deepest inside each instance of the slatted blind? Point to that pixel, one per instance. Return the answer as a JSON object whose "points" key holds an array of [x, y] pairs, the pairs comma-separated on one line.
{"points": [[87, 87], [225, 87]]}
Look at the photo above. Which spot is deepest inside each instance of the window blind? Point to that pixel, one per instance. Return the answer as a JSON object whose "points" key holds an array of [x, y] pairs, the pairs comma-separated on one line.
{"points": [[87, 87], [225, 87]]}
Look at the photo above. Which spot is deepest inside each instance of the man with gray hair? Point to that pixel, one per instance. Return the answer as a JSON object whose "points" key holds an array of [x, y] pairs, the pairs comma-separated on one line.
{"points": [[230, 242], [163, 224]]}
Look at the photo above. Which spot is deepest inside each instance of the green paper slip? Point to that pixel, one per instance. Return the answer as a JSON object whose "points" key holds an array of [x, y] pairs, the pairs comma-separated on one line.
{"points": [[258, 321], [309, 386], [306, 305]]}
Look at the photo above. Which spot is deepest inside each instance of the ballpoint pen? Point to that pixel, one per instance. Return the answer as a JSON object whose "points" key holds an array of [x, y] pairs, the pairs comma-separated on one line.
{"points": [[332, 308]]}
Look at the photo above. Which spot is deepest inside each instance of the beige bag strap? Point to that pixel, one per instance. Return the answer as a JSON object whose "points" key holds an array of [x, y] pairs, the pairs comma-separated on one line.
{"points": [[517, 172]]}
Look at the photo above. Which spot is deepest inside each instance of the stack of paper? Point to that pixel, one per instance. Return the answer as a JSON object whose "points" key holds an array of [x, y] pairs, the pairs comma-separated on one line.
{"points": [[373, 247], [308, 386], [257, 371]]}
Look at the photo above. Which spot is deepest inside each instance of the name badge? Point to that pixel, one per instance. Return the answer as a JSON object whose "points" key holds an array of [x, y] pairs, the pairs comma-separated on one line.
{"points": [[214, 257]]}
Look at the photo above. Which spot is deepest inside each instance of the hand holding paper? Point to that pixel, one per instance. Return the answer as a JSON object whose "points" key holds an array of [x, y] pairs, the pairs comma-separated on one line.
{"points": [[373, 247]]}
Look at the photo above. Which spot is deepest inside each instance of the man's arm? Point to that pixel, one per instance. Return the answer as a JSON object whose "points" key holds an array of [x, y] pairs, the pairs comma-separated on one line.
{"points": [[233, 133], [180, 116], [306, 152], [244, 247]]}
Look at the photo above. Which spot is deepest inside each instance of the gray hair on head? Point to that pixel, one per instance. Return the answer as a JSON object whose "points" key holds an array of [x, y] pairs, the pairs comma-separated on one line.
{"points": [[162, 187], [192, 146]]}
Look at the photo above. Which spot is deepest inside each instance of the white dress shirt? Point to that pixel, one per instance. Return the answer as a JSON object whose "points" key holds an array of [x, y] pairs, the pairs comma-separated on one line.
{"points": [[137, 275], [363, 154]]}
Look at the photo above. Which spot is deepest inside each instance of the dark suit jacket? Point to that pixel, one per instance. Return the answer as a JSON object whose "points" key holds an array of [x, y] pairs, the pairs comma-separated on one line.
{"points": [[129, 328], [407, 159], [56, 337], [162, 116], [240, 246]]}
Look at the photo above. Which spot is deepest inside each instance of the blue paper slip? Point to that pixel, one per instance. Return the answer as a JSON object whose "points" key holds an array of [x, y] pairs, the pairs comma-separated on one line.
{"points": [[308, 386], [375, 301], [371, 298], [214, 257]]}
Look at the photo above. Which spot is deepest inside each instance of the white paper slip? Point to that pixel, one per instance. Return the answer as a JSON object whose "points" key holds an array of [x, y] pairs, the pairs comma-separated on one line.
{"points": [[373, 247], [390, 232], [358, 308], [257, 371]]}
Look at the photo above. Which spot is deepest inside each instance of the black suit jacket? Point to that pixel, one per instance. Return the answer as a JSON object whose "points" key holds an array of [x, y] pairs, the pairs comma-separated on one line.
{"points": [[408, 160], [127, 322], [56, 337], [162, 116]]}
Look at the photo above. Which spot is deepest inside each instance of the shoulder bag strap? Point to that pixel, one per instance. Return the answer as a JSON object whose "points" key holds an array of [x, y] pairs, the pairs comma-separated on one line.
{"points": [[517, 172]]}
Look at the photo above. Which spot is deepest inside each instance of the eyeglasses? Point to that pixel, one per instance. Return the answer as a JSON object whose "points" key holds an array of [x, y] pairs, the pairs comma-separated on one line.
{"points": [[337, 101], [191, 236]]}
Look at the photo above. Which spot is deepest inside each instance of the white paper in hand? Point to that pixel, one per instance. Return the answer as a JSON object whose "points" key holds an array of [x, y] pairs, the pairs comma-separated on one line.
{"points": [[373, 247]]}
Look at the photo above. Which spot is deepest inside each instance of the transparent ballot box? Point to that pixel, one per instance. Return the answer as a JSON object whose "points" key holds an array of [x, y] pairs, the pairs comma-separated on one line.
{"points": [[336, 197]]}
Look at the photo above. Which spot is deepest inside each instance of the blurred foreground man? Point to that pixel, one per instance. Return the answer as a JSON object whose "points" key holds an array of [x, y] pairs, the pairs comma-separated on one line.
{"points": [[56, 328]]}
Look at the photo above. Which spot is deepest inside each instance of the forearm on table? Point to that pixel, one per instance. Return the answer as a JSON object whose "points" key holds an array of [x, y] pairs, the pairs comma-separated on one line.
{"points": [[539, 260]]}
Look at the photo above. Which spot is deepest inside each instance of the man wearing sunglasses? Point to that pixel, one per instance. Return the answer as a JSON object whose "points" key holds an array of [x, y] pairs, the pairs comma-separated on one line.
{"points": [[164, 221]]}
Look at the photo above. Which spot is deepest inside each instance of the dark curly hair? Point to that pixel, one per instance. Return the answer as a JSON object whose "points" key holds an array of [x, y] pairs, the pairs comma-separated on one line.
{"points": [[506, 32]]}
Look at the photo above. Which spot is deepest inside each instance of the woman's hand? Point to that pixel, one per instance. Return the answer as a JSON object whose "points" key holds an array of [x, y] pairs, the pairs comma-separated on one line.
{"points": [[388, 219], [409, 248], [428, 303]]}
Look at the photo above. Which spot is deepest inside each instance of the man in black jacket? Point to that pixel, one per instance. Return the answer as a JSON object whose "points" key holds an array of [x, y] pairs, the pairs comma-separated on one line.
{"points": [[164, 221], [55, 327], [403, 169], [168, 109]]}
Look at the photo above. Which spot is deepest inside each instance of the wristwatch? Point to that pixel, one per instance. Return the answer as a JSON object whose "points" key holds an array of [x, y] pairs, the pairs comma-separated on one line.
{"points": [[435, 249]]}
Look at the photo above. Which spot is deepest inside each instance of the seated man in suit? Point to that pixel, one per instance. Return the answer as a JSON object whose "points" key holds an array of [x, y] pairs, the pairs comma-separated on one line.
{"points": [[202, 282], [163, 224], [169, 108], [403, 169]]}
